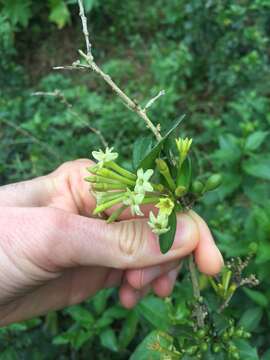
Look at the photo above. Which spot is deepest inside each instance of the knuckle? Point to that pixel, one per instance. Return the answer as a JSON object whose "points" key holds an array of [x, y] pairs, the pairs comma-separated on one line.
{"points": [[56, 220], [131, 238]]}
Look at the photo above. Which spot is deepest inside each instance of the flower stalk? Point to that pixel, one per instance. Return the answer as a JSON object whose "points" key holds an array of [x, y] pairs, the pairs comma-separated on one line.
{"points": [[108, 204], [165, 172], [129, 175]]}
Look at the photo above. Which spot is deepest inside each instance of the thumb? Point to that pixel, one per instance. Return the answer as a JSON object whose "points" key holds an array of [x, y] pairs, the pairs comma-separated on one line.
{"points": [[123, 245]]}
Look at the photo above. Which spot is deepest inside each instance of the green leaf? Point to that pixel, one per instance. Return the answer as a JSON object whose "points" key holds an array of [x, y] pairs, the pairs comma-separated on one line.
{"points": [[229, 152], [59, 13], [88, 4], [109, 315], [155, 311], [258, 297], [81, 315], [141, 148], [100, 300], [166, 240], [108, 339], [258, 166], [153, 347], [174, 126], [246, 351], [148, 162], [251, 318], [18, 11], [255, 140], [128, 330]]}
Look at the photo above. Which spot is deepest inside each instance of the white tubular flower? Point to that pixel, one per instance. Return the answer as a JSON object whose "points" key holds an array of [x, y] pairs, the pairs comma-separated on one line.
{"points": [[159, 224], [183, 146], [142, 182], [103, 157], [134, 200], [165, 205]]}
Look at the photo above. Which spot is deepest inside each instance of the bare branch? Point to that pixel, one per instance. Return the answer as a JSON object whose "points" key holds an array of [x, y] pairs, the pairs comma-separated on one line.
{"points": [[90, 64], [151, 101], [85, 30], [58, 94], [131, 104], [199, 313], [30, 136]]}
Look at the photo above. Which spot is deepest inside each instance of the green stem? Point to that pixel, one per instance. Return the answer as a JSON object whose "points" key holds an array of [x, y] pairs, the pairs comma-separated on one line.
{"points": [[100, 179], [150, 200], [112, 165], [111, 196], [114, 216], [196, 291], [157, 187], [108, 187], [112, 175], [108, 204], [165, 172]]}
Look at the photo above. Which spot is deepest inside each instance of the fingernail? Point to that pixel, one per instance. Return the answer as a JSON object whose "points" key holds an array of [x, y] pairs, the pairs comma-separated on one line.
{"points": [[220, 256]]}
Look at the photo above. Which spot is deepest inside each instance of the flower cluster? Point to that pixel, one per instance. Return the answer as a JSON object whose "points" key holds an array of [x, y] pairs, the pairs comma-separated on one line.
{"points": [[113, 185]]}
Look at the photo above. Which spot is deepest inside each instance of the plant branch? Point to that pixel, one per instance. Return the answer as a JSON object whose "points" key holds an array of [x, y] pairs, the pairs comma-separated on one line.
{"points": [[131, 104], [199, 313], [90, 64], [59, 94], [30, 136], [85, 29]]}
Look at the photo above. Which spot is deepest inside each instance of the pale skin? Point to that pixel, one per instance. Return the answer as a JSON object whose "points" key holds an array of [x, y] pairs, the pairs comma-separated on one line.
{"points": [[53, 254]]}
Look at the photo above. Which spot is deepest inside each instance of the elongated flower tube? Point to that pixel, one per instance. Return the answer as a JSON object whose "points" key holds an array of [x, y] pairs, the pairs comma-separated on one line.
{"points": [[104, 157], [165, 172], [109, 174], [108, 204]]}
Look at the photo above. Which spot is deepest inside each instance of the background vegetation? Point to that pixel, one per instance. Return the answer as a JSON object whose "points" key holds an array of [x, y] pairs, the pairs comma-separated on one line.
{"points": [[212, 58]]}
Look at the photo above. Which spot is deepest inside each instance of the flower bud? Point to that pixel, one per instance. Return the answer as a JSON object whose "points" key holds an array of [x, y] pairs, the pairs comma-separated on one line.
{"points": [[213, 182], [216, 348], [197, 187], [162, 166], [180, 190], [192, 350]]}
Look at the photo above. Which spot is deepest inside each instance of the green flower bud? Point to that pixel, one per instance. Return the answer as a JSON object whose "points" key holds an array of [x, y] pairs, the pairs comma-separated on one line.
{"points": [[216, 348], [204, 347], [213, 182], [201, 333], [235, 355], [180, 190], [165, 172], [197, 187], [246, 335], [231, 331], [225, 336], [192, 350]]}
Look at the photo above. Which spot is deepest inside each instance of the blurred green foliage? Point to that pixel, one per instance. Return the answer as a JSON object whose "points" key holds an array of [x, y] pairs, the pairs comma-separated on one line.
{"points": [[212, 58]]}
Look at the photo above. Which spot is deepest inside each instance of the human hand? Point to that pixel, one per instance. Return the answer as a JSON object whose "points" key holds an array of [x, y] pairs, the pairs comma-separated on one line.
{"points": [[52, 255]]}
